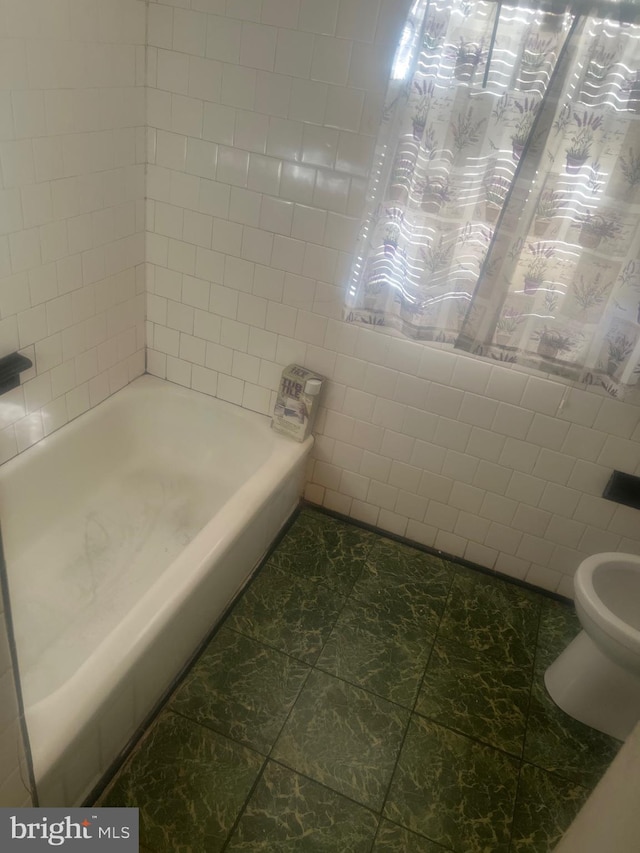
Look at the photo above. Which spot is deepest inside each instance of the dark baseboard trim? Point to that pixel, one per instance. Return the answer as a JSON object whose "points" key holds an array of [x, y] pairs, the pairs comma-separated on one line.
{"points": [[460, 561]]}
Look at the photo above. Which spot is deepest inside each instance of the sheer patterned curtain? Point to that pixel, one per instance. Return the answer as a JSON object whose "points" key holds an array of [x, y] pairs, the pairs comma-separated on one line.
{"points": [[504, 209]]}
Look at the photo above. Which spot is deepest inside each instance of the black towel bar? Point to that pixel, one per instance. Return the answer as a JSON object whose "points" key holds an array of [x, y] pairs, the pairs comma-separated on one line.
{"points": [[11, 366]]}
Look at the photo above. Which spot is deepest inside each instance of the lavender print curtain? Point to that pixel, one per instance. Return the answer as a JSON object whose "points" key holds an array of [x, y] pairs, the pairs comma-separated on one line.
{"points": [[504, 213]]}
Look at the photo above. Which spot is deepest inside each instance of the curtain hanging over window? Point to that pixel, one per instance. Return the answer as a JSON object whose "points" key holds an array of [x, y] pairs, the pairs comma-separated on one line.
{"points": [[504, 207]]}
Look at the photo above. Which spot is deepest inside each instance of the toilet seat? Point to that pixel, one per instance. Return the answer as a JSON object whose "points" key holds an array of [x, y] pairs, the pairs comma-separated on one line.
{"points": [[594, 605]]}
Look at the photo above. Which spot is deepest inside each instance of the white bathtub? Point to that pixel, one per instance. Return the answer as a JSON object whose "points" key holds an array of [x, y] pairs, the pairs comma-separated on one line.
{"points": [[126, 535]]}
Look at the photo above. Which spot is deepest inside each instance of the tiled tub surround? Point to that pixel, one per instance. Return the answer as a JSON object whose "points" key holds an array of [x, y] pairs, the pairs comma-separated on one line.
{"points": [[262, 118], [72, 130], [150, 513], [72, 158], [366, 696]]}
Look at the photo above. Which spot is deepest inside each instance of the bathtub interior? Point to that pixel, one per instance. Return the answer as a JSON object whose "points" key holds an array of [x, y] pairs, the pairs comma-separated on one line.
{"points": [[131, 552], [140, 423], [73, 582], [85, 537]]}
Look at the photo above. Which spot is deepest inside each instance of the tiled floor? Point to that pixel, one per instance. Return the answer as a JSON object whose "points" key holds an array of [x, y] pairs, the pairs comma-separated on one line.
{"points": [[365, 696]]}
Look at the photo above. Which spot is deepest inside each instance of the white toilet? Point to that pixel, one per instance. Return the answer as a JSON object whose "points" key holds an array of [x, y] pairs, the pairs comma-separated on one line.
{"points": [[596, 679]]}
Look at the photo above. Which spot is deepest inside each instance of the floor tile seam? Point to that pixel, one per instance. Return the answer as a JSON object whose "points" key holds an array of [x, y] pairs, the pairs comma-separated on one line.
{"points": [[473, 738], [564, 777], [409, 637], [556, 775], [436, 634], [396, 585], [273, 648], [515, 805], [377, 813], [367, 690], [243, 743], [289, 713], [447, 601], [269, 647], [243, 808], [458, 643], [406, 730], [211, 730], [315, 582], [346, 599], [532, 684], [415, 832]]}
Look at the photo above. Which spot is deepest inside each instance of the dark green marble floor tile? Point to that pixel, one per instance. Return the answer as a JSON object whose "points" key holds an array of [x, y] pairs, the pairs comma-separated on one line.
{"points": [[545, 806], [559, 624], [189, 783], [453, 790], [343, 737], [392, 838], [479, 696], [386, 658], [320, 548], [396, 563], [242, 689], [558, 743], [291, 614], [289, 813], [492, 616], [383, 636], [409, 603]]}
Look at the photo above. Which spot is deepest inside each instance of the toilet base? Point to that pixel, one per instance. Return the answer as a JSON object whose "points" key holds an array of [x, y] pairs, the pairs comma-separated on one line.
{"points": [[593, 689]]}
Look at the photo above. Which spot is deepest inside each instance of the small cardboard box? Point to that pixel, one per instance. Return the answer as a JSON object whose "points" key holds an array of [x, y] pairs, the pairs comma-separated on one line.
{"points": [[297, 402]]}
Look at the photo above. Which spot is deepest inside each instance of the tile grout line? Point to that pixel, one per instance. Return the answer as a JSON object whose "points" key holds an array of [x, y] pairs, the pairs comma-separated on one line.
{"points": [[412, 711], [521, 760], [268, 758], [243, 808]]}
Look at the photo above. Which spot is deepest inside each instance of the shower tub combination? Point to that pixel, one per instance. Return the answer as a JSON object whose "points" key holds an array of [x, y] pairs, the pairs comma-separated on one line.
{"points": [[126, 536]]}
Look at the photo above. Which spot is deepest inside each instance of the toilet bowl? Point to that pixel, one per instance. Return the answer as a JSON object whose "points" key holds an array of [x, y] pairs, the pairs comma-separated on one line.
{"points": [[596, 679]]}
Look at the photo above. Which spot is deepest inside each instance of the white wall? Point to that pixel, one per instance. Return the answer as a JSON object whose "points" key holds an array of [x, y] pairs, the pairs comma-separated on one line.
{"points": [[71, 232], [263, 115]]}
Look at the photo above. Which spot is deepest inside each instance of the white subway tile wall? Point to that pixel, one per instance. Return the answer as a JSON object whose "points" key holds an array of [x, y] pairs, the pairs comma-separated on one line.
{"points": [[261, 135], [72, 160], [72, 221]]}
